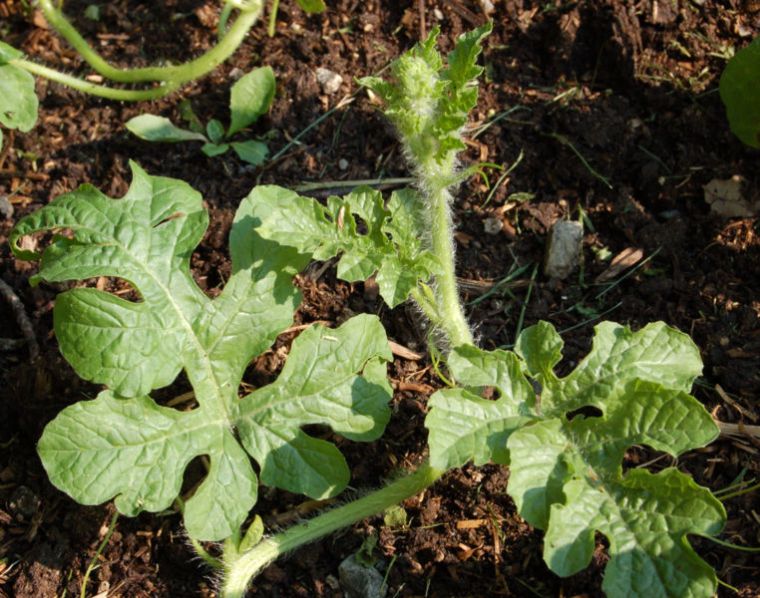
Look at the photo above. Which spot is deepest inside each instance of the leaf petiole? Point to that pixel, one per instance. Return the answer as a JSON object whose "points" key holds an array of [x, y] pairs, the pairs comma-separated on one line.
{"points": [[249, 564]]}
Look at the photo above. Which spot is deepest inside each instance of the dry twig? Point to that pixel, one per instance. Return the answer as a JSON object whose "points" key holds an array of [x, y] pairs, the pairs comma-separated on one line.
{"points": [[23, 321]]}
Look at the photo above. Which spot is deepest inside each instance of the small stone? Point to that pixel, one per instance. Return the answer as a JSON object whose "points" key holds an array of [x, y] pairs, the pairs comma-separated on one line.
{"points": [[359, 581], [330, 81], [726, 198], [6, 208], [744, 31], [438, 13], [343, 164], [488, 7], [563, 251], [492, 226]]}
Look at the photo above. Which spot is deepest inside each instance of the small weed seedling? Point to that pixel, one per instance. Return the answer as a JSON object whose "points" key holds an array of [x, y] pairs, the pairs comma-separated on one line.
{"points": [[563, 438], [250, 97], [18, 102]]}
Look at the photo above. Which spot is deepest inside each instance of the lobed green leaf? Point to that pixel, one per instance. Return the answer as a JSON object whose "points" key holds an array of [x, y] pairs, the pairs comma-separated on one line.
{"points": [[391, 246], [125, 445], [566, 440], [319, 385], [646, 518], [464, 426]]}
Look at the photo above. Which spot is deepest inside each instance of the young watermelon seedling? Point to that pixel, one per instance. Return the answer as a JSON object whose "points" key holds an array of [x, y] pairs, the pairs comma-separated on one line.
{"points": [[563, 438]]}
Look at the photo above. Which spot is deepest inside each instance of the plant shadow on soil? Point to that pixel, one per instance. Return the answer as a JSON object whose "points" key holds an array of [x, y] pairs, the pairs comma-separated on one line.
{"points": [[655, 138]]}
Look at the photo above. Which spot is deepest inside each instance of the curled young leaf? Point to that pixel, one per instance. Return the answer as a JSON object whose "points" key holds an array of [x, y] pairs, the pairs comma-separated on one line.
{"points": [[427, 101]]}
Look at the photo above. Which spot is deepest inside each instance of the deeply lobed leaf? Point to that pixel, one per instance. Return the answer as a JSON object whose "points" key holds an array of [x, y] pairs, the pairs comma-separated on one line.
{"points": [[464, 426], [125, 445], [566, 464], [391, 246]]}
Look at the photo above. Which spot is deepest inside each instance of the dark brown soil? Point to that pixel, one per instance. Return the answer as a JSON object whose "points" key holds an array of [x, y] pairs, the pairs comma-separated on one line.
{"points": [[631, 86]]}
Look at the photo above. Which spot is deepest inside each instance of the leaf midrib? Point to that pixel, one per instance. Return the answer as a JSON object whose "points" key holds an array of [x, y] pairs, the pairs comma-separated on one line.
{"points": [[186, 325]]}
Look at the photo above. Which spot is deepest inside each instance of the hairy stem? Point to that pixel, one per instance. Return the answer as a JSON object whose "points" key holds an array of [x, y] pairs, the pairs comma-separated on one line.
{"points": [[124, 95], [450, 310], [176, 75], [248, 565]]}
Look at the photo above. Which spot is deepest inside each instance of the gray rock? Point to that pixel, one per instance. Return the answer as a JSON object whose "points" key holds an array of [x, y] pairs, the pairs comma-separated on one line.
{"points": [[329, 81], [563, 251], [6, 208], [359, 581]]}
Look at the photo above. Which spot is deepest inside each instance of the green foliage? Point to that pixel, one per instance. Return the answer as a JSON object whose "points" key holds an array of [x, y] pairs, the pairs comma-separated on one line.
{"points": [[160, 129], [566, 463], [92, 12], [740, 92], [18, 102], [429, 102], [391, 246], [312, 6], [565, 439], [123, 443], [250, 98]]}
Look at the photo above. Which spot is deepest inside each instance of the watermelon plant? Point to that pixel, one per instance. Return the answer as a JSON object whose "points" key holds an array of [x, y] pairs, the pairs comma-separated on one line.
{"points": [[250, 97], [18, 102], [564, 438]]}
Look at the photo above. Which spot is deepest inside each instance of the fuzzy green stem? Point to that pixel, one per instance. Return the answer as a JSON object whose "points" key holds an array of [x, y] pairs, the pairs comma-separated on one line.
{"points": [[450, 309], [124, 95], [176, 75], [242, 570]]}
